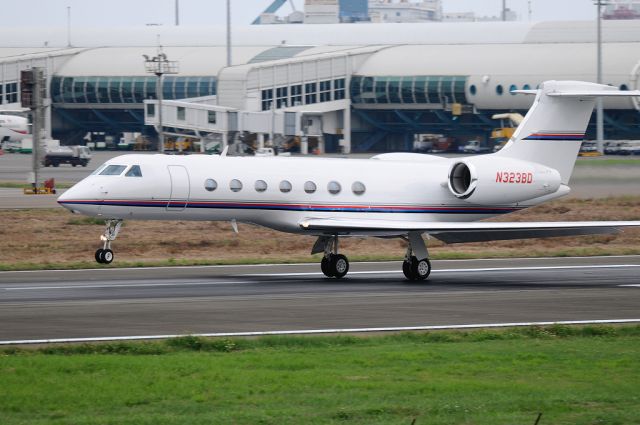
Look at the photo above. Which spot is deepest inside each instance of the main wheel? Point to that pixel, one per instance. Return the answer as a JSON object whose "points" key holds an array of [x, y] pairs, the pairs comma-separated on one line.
{"points": [[99, 255], [406, 269], [325, 266], [421, 269], [339, 266], [106, 256]]}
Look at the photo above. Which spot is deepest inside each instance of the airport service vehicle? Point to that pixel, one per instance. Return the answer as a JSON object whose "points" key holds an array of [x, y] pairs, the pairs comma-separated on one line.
{"points": [[265, 152], [589, 149], [612, 147], [74, 155], [13, 129], [475, 147], [393, 195], [631, 147]]}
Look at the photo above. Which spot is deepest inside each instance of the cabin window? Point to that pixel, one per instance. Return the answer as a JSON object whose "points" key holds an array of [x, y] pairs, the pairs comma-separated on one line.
{"points": [[473, 90], [113, 170], [285, 186], [526, 87], [512, 88], [261, 185], [210, 185], [499, 89], [334, 187], [358, 188], [310, 187], [235, 185], [624, 87], [134, 171]]}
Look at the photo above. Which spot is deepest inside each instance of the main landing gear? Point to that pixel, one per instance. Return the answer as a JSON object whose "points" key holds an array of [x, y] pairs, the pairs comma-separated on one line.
{"points": [[416, 264], [332, 264], [104, 255]]}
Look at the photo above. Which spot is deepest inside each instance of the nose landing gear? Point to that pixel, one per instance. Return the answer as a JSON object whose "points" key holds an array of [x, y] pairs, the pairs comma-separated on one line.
{"points": [[104, 255]]}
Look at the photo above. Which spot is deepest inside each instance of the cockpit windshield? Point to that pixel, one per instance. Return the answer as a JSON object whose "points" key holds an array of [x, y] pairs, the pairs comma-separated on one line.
{"points": [[113, 170], [134, 171]]}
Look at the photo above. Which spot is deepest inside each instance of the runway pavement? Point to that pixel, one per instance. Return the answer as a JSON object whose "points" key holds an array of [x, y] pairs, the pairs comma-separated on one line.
{"points": [[211, 299]]}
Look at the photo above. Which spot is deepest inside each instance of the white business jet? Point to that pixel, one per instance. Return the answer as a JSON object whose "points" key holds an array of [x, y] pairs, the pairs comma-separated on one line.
{"points": [[13, 128], [401, 195]]}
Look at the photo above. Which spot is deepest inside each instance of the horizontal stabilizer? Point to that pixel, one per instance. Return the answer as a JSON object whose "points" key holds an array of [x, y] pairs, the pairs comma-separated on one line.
{"points": [[457, 232]]}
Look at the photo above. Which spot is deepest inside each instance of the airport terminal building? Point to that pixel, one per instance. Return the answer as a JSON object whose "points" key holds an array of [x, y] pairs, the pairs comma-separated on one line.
{"points": [[347, 87]]}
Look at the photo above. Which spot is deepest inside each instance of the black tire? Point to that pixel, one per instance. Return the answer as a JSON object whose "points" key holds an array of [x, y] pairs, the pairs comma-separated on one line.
{"points": [[84, 163], [406, 269], [421, 269], [325, 266], [99, 255], [74, 164], [55, 164], [106, 256], [339, 266]]}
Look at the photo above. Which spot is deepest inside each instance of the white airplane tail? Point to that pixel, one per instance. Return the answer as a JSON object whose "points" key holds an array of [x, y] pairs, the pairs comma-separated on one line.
{"points": [[554, 127]]}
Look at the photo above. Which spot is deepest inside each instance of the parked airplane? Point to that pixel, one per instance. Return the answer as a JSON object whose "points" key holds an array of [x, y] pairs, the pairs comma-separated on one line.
{"points": [[401, 195], [13, 128]]}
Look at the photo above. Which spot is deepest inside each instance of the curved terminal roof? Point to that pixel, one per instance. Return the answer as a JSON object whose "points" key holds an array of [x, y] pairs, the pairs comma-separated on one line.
{"points": [[128, 61], [336, 34]]}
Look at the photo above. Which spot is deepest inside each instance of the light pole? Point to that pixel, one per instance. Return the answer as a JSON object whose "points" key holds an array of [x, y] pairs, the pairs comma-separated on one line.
{"points": [[599, 107], [160, 65]]}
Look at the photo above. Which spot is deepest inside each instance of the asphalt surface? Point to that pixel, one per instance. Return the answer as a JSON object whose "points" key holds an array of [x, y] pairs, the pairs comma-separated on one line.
{"points": [[209, 299]]}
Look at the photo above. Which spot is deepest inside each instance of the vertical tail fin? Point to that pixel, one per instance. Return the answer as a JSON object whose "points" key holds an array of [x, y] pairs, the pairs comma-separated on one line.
{"points": [[554, 127]]}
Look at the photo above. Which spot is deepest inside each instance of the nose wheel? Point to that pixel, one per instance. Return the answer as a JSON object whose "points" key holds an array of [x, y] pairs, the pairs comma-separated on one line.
{"points": [[105, 255]]}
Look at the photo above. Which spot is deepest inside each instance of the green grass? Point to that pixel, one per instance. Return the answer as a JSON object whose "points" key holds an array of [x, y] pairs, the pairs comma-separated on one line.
{"points": [[581, 375], [442, 255]]}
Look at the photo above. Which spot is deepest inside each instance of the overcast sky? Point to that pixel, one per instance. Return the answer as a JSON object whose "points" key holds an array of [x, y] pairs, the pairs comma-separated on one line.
{"points": [[118, 13]]}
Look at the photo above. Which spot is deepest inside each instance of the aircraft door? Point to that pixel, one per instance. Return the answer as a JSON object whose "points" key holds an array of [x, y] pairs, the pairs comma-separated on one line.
{"points": [[180, 188]]}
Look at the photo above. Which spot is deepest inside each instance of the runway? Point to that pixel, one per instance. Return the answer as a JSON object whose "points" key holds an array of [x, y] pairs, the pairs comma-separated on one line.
{"points": [[103, 303]]}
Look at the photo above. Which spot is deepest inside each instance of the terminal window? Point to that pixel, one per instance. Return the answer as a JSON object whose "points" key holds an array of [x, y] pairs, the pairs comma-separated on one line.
{"points": [[325, 91], [296, 95], [267, 98], [338, 89], [211, 117], [11, 92], [151, 110], [282, 97], [310, 90]]}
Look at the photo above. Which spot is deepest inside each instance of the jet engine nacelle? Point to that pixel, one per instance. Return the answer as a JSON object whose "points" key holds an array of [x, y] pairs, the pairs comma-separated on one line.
{"points": [[494, 180]]}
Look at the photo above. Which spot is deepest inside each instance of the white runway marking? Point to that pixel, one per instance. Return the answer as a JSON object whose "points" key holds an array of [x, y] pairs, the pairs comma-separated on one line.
{"points": [[135, 285], [484, 269], [218, 266], [323, 331]]}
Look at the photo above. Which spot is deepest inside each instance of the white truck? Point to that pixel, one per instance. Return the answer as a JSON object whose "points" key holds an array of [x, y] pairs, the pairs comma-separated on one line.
{"points": [[74, 155]]}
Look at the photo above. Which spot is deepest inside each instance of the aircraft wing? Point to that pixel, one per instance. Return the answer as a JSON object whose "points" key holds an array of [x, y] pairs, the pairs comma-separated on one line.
{"points": [[458, 232]]}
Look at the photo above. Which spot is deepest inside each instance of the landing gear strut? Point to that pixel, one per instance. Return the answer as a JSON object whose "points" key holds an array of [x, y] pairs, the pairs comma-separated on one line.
{"points": [[104, 255], [416, 264], [333, 264]]}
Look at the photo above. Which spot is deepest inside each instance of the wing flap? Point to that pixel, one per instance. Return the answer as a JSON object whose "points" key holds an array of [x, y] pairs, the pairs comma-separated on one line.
{"points": [[458, 232]]}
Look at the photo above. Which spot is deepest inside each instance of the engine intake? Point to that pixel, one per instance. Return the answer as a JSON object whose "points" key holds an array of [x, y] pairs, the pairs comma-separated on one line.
{"points": [[493, 180]]}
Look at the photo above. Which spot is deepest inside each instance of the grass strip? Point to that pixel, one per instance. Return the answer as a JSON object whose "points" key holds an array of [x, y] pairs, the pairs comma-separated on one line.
{"points": [[440, 255], [573, 375]]}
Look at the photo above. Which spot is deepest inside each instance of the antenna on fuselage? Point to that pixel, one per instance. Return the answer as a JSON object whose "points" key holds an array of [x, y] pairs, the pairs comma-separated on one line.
{"points": [[224, 151]]}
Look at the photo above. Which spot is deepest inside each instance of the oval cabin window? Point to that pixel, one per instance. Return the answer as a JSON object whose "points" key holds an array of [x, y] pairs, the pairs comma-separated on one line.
{"points": [[210, 185]]}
